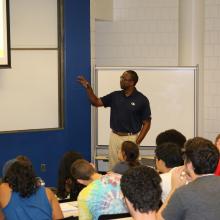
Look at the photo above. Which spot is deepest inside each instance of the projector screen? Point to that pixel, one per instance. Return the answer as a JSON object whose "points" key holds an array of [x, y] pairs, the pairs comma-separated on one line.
{"points": [[5, 60]]}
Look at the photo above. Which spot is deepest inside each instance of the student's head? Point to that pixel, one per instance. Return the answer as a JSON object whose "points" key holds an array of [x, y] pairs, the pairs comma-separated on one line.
{"points": [[168, 155], [21, 178], [217, 142], [10, 162], [65, 165], [201, 156], [66, 183], [172, 136], [23, 158], [82, 171], [141, 188], [130, 152]]}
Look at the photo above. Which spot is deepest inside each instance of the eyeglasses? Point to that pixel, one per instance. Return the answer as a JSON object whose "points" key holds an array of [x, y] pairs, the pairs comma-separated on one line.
{"points": [[122, 78]]}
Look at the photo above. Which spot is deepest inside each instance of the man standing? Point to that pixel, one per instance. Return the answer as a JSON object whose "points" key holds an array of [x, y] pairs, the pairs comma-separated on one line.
{"points": [[130, 112]]}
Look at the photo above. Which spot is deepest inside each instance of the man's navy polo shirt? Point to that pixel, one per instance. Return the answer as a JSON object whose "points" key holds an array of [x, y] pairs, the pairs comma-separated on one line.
{"points": [[127, 112]]}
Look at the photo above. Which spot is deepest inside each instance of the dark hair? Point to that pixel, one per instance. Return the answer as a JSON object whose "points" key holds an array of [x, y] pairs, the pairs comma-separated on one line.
{"points": [[64, 176], [172, 136], [131, 152], [170, 153], [21, 178], [6, 166], [203, 154], [141, 186], [133, 75], [23, 158], [9, 162], [82, 169]]}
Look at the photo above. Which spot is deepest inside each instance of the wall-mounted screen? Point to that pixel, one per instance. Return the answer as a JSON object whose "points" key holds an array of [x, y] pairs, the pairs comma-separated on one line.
{"points": [[31, 92], [5, 60]]}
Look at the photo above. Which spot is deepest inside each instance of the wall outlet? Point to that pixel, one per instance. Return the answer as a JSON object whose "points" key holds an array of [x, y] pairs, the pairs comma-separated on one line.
{"points": [[43, 167]]}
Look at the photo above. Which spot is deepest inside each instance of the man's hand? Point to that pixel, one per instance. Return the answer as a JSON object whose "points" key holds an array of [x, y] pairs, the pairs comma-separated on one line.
{"points": [[95, 101], [179, 177], [83, 81]]}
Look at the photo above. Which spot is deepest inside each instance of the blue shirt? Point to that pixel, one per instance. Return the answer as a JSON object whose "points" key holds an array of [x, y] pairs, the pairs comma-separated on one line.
{"points": [[127, 112], [35, 207]]}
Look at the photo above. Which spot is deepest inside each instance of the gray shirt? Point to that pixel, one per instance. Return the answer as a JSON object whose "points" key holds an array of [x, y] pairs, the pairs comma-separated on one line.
{"points": [[199, 200], [121, 167]]}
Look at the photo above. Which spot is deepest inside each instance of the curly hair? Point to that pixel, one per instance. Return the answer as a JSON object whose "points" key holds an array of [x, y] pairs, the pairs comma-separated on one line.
{"points": [[141, 186], [131, 152], [21, 178], [203, 154], [170, 153], [65, 177], [23, 158], [172, 136]]}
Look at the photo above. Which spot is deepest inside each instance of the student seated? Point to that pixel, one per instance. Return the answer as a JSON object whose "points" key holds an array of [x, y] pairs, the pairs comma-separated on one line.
{"points": [[198, 199], [102, 194], [67, 186], [21, 198], [141, 189], [128, 157], [168, 156]]}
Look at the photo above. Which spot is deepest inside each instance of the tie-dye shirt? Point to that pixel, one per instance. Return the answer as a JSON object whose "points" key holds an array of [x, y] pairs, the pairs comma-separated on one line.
{"points": [[102, 196]]}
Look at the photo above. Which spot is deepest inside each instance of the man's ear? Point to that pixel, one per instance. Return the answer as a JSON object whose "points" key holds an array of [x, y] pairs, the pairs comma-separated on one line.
{"points": [[190, 166], [190, 169], [129, 205], [161, 163]]}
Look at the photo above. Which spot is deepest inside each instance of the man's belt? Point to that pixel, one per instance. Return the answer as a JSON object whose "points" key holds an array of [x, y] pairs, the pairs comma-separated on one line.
{"points": [[123, 133]]}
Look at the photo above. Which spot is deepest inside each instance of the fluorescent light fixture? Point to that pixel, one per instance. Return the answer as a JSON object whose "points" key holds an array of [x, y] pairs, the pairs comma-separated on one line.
{"points": [[5, 58]]}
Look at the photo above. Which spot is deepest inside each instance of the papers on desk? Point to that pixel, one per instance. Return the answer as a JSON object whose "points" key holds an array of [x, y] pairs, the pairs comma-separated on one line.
{"points": [[69, 208]]}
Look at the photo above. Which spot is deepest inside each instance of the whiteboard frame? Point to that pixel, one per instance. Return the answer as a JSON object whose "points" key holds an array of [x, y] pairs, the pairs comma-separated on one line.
{"points": [[94, 113], [5, 61]]}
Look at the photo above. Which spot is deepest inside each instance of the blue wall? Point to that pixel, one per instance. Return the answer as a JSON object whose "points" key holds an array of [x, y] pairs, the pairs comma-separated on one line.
{"points": [[48, 146]]}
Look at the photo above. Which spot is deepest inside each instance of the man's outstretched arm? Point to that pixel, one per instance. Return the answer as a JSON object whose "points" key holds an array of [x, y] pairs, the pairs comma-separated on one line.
{"points": [[95, 101]]}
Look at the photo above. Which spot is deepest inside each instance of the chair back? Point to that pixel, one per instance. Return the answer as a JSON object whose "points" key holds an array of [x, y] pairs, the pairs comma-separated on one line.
{"points": [[71, 218], [114, 216]]}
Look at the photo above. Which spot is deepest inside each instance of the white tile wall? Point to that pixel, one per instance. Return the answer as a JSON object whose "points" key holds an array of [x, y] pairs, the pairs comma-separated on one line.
{"points": [[145, 33], [212, 69], [132, 38]]}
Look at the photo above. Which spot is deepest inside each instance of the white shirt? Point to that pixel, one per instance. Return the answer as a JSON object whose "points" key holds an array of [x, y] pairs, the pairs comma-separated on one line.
{"points": [[166, 184]]}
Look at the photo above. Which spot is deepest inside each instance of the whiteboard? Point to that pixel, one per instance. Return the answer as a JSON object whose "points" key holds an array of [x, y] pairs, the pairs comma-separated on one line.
{"points": [[170, 90], [29, 91]]}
